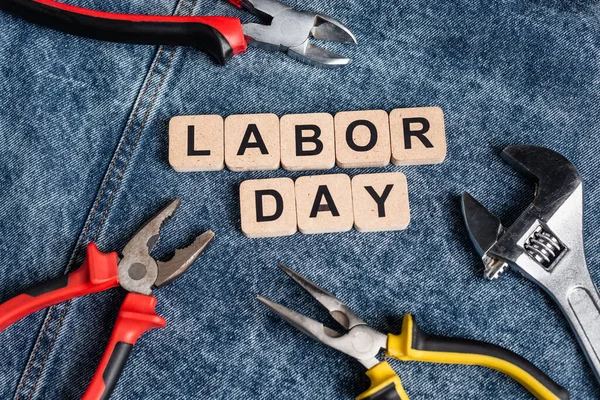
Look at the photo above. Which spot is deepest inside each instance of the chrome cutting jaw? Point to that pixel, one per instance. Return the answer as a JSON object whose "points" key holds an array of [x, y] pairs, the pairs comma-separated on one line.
{"points": [[545, 244], [290, 31]]}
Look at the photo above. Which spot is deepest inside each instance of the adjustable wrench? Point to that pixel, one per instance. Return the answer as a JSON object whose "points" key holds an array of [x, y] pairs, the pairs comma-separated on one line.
{"points": [[545, 244]]}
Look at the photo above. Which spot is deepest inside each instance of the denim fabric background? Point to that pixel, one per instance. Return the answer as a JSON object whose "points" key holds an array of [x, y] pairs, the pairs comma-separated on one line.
{"points": [[83, 144]]}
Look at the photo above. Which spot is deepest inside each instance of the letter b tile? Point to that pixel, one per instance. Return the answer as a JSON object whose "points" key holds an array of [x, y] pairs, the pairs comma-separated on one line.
{"points": [[307, 141], [362, 139], [380, 202], [324, 203], [268, 207]]}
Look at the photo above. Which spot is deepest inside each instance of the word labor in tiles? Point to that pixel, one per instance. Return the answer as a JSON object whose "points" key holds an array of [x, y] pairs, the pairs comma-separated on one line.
{"points": [[323, 204], [299, 142]]}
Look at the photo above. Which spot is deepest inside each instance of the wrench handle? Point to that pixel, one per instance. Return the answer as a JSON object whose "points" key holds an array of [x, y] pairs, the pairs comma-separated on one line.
{"points": [[581, 305]]}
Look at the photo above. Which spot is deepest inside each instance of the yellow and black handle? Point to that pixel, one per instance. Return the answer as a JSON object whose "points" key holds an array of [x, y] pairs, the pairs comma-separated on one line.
{"points": [[415, 345], [385, 384]]}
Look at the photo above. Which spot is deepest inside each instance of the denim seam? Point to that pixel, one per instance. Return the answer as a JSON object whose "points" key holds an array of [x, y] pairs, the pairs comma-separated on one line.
{"points": [[92, 215]]}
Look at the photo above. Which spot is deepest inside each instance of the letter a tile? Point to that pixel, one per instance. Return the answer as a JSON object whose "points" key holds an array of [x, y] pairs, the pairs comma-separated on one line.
{"points": [[307, 142], [362, 139], [418, 136], [196, 143], [324, 203], [380, 202], [252, 142], [268, 207]]}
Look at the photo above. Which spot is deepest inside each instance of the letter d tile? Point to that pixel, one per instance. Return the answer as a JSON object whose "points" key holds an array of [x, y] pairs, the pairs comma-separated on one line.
{"points": [[268, 207]]}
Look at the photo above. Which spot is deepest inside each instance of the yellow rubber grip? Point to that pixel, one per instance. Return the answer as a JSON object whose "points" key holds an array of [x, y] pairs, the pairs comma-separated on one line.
{"points": [[414, 345], [385, 384]]}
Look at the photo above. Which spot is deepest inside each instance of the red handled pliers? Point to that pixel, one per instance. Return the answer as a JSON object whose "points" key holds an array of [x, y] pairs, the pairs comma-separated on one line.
{"points": [[223, 37], [136, 271]]}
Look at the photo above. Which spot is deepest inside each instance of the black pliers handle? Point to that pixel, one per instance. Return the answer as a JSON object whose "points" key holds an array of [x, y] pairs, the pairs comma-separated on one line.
{"points": [[222, 37], [286, 29]]}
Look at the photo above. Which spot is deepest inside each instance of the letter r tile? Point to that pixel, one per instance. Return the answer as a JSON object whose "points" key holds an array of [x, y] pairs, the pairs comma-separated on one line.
{"points": [[418, 136], [268, 207], [196, 143], [252, 142], [380, 202], [362, 139], [324, 203], [307, 141]]}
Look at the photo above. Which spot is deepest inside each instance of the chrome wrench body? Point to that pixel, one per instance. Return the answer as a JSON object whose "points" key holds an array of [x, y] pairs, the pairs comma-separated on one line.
{"points": [[545, 244]]}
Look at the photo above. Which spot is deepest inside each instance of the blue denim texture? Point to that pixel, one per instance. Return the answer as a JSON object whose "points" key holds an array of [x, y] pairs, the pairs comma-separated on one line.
{"points": [[83, 138]]}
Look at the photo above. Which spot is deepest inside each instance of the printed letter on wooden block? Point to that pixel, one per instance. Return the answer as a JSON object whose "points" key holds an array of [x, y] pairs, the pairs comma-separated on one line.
{"points": [[252, 142], [380, 202], [196, 143], [268, 207], [362, 139], [418, 136], [324, 203], [307, 141]]}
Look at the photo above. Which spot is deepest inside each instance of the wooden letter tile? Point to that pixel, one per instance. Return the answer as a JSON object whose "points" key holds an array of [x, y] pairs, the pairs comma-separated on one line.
{"points": [[268, 207], [380, 202], [307, 141], [418, 136], [362, 139], [196, 143], [252, 142], [324, 203]]}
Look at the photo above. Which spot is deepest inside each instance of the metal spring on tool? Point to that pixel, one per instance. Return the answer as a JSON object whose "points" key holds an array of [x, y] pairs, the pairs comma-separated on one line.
{"points": [[544, 247]]}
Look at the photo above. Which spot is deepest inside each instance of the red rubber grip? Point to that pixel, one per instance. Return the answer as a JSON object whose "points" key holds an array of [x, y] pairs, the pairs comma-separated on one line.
{"points": [[98, 273], [222, 37], [137, 315], [237, 3], [230, 28]]}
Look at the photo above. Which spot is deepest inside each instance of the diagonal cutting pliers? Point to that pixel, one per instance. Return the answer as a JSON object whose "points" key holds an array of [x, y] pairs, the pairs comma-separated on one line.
{"points": [[135, 271], [288, 30], [412, 344]]}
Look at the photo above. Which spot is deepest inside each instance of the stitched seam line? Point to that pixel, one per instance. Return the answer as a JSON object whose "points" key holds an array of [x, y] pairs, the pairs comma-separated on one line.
{"points": [[97, 203]]}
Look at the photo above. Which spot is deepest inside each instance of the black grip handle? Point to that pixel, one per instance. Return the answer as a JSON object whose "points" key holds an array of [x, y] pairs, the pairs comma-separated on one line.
{"points": [[438, 344], [120, 28], [115, 367], [387, 393]]}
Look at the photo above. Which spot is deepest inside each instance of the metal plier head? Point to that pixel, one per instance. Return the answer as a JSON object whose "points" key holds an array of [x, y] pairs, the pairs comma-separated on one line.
{"points": [[139, 272], [290, 31], [359, 341]]}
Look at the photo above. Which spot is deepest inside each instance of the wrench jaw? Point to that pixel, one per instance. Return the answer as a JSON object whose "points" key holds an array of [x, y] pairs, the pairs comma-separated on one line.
{"points": [[484, 229], [532, 245]]}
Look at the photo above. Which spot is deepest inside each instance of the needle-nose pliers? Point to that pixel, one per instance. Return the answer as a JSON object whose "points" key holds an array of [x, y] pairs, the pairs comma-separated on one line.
{"points": [[288, 30], [136, 271], [412, 344]]}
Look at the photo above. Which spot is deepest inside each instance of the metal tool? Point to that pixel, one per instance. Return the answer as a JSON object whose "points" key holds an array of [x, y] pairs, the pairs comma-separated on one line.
{"points": [[136, 271], [545, 244], [288, 30], [364, 344]]}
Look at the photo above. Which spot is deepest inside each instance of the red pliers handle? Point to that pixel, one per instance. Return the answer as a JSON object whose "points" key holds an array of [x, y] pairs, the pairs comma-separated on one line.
{"points": [[222, 37], [285, 29], [98, 273], [137, 272]]}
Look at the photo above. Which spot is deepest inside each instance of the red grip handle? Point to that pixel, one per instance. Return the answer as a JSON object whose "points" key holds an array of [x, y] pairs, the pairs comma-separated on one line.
{"points": [[137, 315], [98, 273], [223, 37]]}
